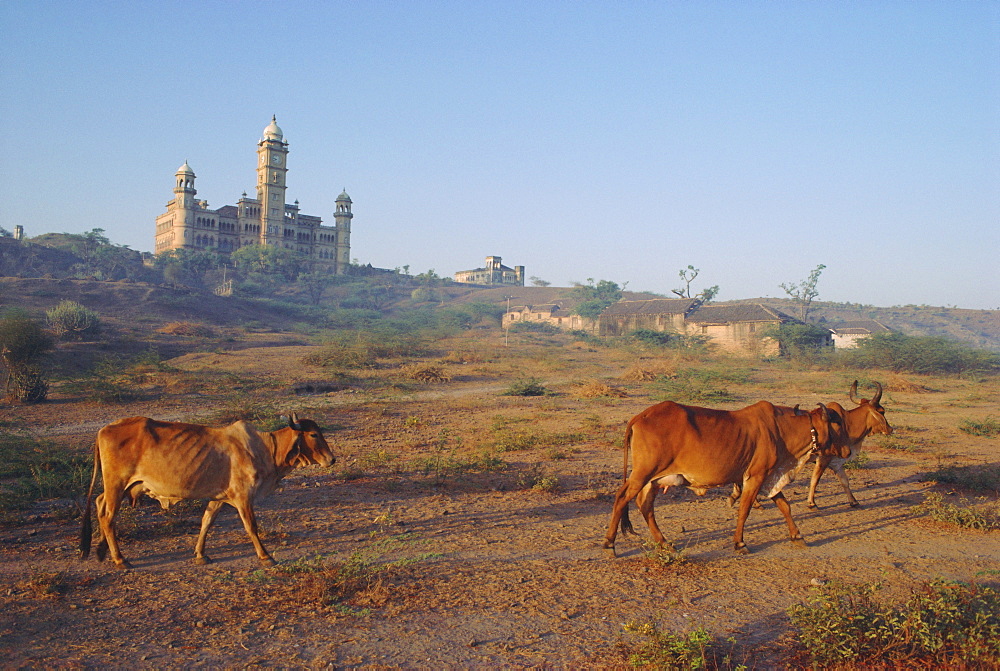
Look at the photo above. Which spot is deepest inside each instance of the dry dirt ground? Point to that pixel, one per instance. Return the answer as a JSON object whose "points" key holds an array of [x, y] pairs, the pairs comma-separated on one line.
{"points": [[462, 528]]}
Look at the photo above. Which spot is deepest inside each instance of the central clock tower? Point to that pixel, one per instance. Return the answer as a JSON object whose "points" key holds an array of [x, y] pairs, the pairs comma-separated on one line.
{"points": [[272, 167]]}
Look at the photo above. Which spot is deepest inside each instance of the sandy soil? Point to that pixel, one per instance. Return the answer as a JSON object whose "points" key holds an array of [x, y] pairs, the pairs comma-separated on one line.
{"points": [[475, 568]]}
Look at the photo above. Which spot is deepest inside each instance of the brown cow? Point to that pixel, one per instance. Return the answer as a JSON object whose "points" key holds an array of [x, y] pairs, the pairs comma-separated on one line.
{"points": [[859, 423], [170, 461], [761, 446]]}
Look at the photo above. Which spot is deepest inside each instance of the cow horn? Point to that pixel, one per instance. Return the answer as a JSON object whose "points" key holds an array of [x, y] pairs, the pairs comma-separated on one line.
{"points": [[293, 421], [826, 411], [795, 410], [854, 392], [878, 395]]}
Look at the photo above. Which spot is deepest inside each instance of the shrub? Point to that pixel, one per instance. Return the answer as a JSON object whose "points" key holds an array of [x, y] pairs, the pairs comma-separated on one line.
{"points": [[654, 338], [22, 341], [534, 327], [943, 624], [71, 321], [530, 386], [668, 650], [799, 340], [963, 516], [919, 354], [423, 373]]}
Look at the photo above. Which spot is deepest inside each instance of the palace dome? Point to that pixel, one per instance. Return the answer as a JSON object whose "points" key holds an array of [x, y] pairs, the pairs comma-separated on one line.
{"points": [[185, 169], [272, 132]]}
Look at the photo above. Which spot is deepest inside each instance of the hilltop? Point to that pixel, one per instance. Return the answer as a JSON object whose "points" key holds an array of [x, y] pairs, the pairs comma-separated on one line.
{"points": [[38, 273]]}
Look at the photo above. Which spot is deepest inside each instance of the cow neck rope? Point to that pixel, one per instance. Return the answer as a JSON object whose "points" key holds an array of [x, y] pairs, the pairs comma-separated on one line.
{"points": [[814, 445]]}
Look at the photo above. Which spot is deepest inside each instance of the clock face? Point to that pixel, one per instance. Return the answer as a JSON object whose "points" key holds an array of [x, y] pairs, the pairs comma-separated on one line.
{"points": [[276, 159]]}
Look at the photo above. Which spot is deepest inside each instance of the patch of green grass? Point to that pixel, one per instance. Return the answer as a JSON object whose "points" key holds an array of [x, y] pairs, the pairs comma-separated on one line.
{"points": [[33, 470], [988, 427], [659, 649], [943, 624], [984, 517], [859, 462], [981, 477]]}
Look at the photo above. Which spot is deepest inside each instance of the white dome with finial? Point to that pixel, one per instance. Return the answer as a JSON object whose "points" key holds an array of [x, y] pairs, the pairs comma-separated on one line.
{"points": [[272, 132], [185, 169]]}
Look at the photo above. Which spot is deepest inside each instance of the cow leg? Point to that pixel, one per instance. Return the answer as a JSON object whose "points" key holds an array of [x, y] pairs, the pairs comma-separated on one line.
{"points": [[786, 510], [211, 510], [107, 505], [644, 502], [846, 484], [822, 462], [245, 509], [619, 514], [750, 489]]}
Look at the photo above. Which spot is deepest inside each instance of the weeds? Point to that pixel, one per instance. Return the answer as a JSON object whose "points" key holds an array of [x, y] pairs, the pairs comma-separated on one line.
{"points": [[47, 584], [700, 385], [859, 462], [668, 650], [530, 386], [445, 462], [664, 556], [350, 586], [34, 470], [988, 427], [983, 518], [943, 624], [980, 477]]}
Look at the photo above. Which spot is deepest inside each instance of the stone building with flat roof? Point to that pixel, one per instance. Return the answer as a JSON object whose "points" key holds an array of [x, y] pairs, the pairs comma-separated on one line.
{"points": [[494, 273], [266, 219]]}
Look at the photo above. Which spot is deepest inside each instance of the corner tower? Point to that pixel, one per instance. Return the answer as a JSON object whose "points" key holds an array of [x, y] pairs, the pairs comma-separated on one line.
{"points": [[342, 217], [272, 167]]}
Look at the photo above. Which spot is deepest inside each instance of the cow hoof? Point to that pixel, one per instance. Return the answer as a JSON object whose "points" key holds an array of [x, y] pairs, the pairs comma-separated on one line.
{"points": [[811, 506], [268, 562], [742, 549], [123, 565], [800, 542], [201, 561], [610, 549], [855, 504]]}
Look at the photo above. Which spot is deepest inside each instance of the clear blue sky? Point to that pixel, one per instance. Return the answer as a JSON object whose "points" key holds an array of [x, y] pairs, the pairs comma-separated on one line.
{"points": [[605, 140]]}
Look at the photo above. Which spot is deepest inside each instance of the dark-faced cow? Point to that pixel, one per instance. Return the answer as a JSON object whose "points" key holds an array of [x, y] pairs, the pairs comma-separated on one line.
{"points": [[859, 423], [171, 461], [761, 447]]}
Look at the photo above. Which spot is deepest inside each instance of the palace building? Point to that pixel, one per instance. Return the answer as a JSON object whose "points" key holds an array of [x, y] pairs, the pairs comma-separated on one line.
{"points": [[267, 219]]}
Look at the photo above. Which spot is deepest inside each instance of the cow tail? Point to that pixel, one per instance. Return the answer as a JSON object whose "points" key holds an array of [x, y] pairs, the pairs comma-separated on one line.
{"points": [[626, 523], [86, 528]]}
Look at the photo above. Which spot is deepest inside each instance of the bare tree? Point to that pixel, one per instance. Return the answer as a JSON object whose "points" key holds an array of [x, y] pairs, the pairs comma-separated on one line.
{"points": [[687, 276], [805, 291]]}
